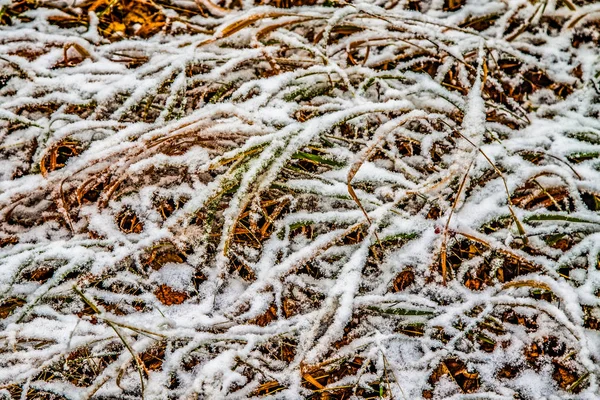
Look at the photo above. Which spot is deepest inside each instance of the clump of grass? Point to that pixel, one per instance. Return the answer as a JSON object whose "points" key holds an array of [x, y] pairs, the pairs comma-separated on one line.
{"points": [[297, 199]]}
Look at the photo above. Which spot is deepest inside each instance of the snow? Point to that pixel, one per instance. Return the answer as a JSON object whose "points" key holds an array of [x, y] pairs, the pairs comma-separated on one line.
{"points": [[233, 111]]}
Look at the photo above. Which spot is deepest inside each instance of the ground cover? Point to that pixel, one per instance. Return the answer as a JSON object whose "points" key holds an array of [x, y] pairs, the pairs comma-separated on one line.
{"points": [[299, 199]]}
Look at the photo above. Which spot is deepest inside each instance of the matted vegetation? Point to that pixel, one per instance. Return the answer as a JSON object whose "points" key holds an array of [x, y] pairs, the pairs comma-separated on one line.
{"points": [[299, 199]]}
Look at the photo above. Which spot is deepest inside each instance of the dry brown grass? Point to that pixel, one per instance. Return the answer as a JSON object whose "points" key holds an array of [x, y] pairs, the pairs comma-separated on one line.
{"points": [[225, 235]]}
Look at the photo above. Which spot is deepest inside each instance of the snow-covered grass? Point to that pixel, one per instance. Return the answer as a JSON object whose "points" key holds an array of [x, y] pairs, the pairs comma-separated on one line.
{"points": [[299, 200]]}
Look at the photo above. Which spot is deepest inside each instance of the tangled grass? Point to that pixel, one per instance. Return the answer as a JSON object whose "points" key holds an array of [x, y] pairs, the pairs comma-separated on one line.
{"points": [[299, 199]]}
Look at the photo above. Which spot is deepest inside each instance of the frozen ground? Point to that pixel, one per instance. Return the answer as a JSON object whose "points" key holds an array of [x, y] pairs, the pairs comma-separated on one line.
{"points": [[299, 200]]}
